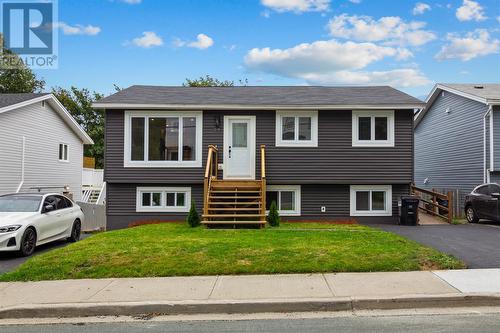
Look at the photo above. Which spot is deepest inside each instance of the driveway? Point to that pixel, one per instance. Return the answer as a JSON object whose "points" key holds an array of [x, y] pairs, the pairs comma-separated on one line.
{"points": [[9, 261], [478, 245]]}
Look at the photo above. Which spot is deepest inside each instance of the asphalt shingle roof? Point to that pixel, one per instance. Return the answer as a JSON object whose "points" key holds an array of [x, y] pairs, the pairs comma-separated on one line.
{"points": [[11, 99], [487, 91], [260, 96]]}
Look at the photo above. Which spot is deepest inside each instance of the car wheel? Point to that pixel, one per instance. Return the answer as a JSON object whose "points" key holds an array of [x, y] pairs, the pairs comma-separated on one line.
{"points": [[75, 232], [471, 215], [28, 242]]}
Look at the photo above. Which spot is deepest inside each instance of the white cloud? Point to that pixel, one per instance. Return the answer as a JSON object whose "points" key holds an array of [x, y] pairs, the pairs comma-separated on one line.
{"points": [[472, 45], [355, 1], [389, 29], [148, 39], [132, 2], [202, 42], [333, 62], [406, 77], [297, 6], [498, 19], [77, 29], [420, 8], [470, 10]]}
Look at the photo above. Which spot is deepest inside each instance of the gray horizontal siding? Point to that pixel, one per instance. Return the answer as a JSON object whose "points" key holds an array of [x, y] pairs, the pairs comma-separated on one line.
{"points": [[121, 202], [449, 146], [496, 138], [334, 161]]}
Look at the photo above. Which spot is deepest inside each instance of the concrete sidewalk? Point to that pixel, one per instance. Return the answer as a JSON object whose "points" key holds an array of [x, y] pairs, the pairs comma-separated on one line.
{"points": [[250, 293]]}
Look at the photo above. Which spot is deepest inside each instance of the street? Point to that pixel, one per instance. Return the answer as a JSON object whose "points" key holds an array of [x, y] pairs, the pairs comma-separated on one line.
{"points": [[465, 323]]}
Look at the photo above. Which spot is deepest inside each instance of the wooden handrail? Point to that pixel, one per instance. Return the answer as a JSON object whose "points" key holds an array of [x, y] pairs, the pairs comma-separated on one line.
{"points": [[263, 179], [434, 203], [211, 170]]}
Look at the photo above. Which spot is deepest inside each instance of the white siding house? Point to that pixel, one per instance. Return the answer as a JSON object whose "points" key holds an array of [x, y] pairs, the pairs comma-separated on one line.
{"points": [[41, 145]]}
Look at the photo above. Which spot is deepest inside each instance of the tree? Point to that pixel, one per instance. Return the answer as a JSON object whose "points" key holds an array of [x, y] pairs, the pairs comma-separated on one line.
{"points": [[15, 76], [208, 81], [274, 217], [79, 103], [193, 218]]}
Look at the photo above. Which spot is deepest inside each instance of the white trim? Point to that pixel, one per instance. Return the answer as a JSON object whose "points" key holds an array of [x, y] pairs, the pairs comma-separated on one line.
{"points": [[287, 188], [163, 207], [59, 108], [251, 142], [131, 106], [372, 142], [363, 188], [127, 161], [296, 142], [64, 145]]}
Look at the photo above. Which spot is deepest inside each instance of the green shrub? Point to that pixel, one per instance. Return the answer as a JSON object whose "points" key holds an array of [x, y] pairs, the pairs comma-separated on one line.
{"points": [[193, 218], [274, 217]]}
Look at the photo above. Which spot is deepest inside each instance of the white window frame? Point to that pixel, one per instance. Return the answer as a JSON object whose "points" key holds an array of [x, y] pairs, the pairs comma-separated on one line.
{"points": [[127, 160], [372, 142], [163, 207], [369, 188], [65, 148], [286, 188], [296, 142]]}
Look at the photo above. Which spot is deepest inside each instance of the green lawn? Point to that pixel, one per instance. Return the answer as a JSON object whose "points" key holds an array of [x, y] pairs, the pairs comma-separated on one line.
{"points": [[177, 250]]}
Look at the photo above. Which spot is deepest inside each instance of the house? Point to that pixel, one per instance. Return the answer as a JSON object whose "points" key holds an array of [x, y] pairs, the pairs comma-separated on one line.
{"points": [[319, 152], [457, 137], [41, 145]]}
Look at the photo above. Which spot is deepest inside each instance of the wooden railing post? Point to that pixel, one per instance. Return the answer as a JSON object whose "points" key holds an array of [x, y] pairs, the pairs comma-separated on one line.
{"points": [[263, 179], [450, 207]]}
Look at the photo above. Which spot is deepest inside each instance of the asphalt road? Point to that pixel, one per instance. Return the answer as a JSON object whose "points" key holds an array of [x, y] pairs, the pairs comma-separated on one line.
{"points": [[10, 260], [484, 323], [478, 245]]}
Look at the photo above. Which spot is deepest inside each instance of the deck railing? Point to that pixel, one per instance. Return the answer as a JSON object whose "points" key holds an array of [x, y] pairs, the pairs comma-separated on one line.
{"points": [[430, 205], [211, 170], [263, 178]]}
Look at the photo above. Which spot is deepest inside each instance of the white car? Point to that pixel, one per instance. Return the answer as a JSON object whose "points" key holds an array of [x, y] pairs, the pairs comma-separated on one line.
{"points": [[31, 219]]}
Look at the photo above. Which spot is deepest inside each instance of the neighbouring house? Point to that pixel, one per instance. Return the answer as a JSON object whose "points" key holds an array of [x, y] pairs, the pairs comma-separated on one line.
{"points": [[457, 135], [319, 152], [41, 145]]}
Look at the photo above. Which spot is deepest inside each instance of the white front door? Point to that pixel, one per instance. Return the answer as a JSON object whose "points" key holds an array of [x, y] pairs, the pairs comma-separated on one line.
{"points": [[239, 147]]}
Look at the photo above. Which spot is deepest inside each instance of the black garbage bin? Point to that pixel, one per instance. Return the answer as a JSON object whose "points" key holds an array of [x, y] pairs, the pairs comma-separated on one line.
{"points": [[409, 210]]}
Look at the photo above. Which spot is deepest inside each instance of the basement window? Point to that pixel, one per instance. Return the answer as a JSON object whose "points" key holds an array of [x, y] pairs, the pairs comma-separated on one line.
{"points": [[163, 199], [371, 200], [287, 199]]}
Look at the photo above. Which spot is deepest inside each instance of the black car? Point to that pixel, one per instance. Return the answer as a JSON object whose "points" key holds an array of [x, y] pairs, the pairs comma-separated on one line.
{"points": [[483, 203]]}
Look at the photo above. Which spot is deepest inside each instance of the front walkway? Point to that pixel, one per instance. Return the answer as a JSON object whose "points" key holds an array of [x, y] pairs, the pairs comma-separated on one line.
{"points": [[95, 295]]}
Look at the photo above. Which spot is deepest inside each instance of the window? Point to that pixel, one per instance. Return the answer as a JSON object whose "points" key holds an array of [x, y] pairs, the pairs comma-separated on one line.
{"points": [[297, 128], [163, 138], [163, 199], [63, 152], [373, 128], [371, 200], [287, 199]]}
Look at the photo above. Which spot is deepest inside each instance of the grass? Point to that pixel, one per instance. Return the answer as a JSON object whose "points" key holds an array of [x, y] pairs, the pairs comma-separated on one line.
{"points": [[177, 250]]}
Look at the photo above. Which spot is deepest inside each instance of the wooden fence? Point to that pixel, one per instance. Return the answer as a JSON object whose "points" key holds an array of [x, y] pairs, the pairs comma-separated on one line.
{"points": [[435, 203]]}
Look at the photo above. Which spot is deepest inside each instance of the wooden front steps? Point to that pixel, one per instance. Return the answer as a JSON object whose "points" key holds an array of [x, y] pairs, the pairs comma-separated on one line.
{"points": [[234, 202]]}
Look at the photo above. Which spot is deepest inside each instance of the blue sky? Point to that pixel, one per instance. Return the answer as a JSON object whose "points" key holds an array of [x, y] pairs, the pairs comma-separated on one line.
{"points": [[407, 44]]}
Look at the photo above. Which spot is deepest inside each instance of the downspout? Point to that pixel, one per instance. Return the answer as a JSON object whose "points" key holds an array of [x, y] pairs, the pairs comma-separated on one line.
{"points": [[22, 166], [486, 174]]}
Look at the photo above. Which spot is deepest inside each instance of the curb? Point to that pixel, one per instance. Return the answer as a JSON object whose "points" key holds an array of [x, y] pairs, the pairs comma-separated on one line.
{"points": [[66, 310]]}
